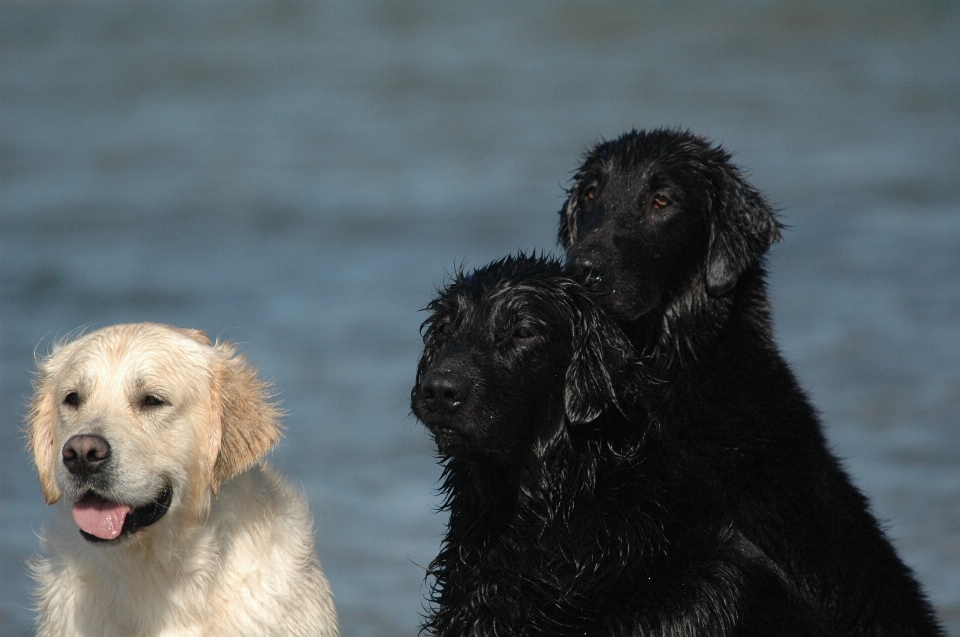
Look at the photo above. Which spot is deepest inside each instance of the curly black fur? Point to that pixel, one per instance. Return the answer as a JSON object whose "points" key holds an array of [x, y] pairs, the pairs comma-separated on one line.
{"points": [[672, 235], [570, 513]]}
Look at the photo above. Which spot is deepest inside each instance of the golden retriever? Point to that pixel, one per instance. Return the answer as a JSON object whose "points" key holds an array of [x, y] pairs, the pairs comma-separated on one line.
{"points": [[150, 437]]}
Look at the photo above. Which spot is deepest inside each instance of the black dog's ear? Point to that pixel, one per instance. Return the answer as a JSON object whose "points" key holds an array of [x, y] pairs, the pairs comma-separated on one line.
{"points": [[742, 229], [567, 232], [600, 353]]}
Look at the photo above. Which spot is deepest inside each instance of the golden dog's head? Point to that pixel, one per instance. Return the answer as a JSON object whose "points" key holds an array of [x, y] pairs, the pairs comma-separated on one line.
{"points": [[131, 421]]}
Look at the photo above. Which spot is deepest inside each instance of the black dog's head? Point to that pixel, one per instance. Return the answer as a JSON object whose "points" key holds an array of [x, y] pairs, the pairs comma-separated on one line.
{"points": [[652, 213], [511, 352]]}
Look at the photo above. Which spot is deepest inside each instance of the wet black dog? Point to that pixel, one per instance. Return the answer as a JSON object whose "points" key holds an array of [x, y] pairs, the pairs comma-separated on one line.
{"points": [[570, 514], [668, 230]]}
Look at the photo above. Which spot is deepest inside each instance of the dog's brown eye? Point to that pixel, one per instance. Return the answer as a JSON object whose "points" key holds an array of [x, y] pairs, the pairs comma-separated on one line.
{"points": [[660, 202], [590, 193], [523, 333], [72, 399], [151, 400]]}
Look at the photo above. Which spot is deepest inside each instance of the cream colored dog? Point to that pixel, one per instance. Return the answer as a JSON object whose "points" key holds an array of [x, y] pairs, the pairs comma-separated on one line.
{"points": [[150, 437]]}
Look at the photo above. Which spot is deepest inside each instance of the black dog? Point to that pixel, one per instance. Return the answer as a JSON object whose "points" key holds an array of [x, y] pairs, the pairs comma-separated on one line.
{"points": [[570, 514], [673, 236]]}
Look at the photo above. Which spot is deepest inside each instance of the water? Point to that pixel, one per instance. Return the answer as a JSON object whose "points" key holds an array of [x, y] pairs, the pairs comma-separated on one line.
{"points": [[300, 176]]}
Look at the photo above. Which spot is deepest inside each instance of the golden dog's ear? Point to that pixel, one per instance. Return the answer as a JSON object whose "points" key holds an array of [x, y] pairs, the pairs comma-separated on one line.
{"points": [[198, 335], [41, 440], [249, 423]]}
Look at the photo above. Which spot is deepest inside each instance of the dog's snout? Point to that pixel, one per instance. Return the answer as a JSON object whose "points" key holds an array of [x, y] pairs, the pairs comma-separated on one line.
{"points": [[583, 262], [444, 391], [85, 454]]}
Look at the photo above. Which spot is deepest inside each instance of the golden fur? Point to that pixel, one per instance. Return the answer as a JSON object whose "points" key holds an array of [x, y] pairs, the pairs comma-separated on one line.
{"points": [[233, 555]]}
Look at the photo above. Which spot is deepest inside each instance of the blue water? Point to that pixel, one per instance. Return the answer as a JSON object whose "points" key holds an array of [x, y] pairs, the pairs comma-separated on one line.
{"points": [[299, 177]]}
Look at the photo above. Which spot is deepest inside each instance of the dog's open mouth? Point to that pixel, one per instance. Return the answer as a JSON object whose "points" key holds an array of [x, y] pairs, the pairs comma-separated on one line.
{"points": [[106, 521]]}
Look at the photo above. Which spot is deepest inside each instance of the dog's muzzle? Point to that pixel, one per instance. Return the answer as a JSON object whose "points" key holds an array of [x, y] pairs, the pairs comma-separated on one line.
{"points": [[440, 403], [88, 458]]}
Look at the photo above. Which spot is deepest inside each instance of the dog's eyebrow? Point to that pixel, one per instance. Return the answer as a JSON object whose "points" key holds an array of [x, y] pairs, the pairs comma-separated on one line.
{"points": [[507, 298], [143, 384], [604, 166], [79, 383], [651, 172], [441, 309], [509, 303]]}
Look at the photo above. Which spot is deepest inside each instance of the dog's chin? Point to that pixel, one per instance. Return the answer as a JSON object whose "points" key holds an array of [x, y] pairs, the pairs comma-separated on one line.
{"points": [[451, 442], [106, 522], [626, 299], [630, 304]]}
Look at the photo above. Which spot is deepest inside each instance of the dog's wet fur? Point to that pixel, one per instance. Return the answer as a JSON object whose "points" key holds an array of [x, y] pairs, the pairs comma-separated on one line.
{"points": [[673, 238], [570, 512]]}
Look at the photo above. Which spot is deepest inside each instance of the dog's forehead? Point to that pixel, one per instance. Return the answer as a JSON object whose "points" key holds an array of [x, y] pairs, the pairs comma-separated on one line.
{"points": [[640, 173], [135, 353], [510, 282], [640, 159], [509, 297]]}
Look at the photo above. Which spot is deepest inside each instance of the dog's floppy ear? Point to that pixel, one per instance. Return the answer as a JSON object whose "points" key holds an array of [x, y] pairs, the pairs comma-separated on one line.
{"points": [[249, 424], [567, 231], [198, 335], [600, 353], [40, 433], [742, 229]]}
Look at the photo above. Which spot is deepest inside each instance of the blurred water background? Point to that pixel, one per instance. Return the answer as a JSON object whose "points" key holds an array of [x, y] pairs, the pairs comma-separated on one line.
{"points": [[300, 176]]}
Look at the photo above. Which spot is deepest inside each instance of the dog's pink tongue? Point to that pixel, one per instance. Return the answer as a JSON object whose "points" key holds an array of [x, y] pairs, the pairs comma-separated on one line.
{"points": [[100, 518]]}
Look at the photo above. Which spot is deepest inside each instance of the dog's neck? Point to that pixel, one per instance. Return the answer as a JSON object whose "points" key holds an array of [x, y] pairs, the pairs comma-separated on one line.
{"points": [[708, 354], [532, 496], [555, 530], [688, 332]]}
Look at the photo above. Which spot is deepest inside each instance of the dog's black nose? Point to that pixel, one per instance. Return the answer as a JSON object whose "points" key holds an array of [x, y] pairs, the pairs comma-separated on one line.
{"points": [[581, 262], [444, 391], [85, 454], [584, 264]]}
